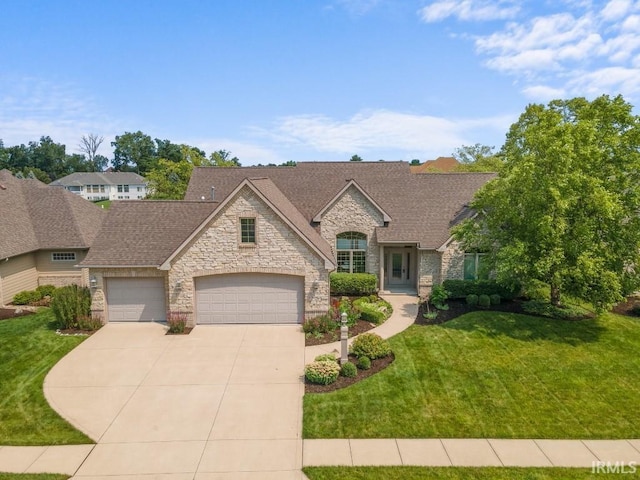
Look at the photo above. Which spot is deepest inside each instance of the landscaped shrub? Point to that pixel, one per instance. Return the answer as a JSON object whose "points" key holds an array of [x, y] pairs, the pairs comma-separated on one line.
{"points": [[484, 301], [177, 322], [319, 325], [364, 363], [348, 370], [352, 284], [545, 309], [323, 373], [46, 290], [472, 300], [438, 297], [26, 297], [70, 303], [461, 288], [370, 345], [373, 309], [90, 322], [495, 299], [636, 311], [344, 305], [326, 357]]}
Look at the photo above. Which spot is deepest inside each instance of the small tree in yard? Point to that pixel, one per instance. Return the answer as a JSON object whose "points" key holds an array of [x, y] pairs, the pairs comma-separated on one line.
{"points": [[565, 208]]}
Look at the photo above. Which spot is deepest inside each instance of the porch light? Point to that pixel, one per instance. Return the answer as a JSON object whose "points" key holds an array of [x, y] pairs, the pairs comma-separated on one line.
{"points": [[93, 282]]}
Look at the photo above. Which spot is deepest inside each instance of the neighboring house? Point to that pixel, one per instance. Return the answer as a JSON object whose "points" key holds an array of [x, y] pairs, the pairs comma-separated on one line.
{"points": [[439, 165], [44, 234], [104, 185], [257, 244]]}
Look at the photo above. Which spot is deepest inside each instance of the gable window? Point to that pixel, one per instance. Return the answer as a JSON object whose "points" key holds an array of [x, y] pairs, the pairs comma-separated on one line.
{"points": [[63, 257], [248, 230], [474, 266], [351, 252]]}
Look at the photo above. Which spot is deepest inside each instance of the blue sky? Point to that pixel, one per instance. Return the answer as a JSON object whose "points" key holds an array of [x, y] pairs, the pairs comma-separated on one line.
{"points": [[306, 80]]}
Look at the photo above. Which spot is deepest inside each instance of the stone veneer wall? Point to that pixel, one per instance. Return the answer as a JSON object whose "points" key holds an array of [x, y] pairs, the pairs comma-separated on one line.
{"points": [[352, 212], [278, 249], [453, 262], [428, 271], [98, 295]]}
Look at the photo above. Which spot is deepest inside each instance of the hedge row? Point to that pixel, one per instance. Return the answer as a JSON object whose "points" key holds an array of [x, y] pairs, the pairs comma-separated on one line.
{"points": [[461, 288], [352, 284]]}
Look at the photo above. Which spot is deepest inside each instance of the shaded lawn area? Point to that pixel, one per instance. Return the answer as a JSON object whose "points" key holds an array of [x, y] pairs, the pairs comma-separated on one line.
{"points": [[29, 348], [447, 473], [495, 375]]}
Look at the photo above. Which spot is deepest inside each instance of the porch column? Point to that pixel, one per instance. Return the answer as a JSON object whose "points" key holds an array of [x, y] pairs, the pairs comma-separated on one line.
{"points": [[381, 279]]}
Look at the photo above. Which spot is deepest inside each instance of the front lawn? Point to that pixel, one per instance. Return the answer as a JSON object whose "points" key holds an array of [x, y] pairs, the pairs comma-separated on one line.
{"points": [[447, 473], [494, 375], [29, 348]]}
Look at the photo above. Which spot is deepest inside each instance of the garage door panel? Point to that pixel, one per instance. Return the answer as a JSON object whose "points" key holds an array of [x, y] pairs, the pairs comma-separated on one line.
{"points": [[249, 298], [136, 299]]}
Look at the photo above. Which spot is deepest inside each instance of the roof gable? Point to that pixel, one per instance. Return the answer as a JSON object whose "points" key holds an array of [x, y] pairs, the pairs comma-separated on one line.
{"points": [[351, 184], [100, 178]]}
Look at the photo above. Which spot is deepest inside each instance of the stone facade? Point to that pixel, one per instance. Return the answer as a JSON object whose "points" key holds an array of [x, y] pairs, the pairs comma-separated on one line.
{"points": [[453, 262], [429, 271], [278, 249], [352, 212]]}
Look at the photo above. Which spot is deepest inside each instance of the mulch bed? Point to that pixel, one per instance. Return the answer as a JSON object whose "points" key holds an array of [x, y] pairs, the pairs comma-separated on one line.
{"points": [[342, 382], [6, 313], [75, 331], [187, 331], [627, 307], [360, 327]]}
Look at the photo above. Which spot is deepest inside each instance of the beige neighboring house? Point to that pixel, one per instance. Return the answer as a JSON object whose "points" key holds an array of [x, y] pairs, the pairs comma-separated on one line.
{"points": [[439, 165], [44, 234], [104, 185], [257, 244]]}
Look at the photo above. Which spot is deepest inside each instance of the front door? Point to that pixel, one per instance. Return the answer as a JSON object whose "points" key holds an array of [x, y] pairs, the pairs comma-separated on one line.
{"points": [[398, 267]]}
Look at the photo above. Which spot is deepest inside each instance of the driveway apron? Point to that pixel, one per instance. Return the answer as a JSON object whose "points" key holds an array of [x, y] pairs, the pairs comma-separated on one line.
{"points": [[222, 402]]}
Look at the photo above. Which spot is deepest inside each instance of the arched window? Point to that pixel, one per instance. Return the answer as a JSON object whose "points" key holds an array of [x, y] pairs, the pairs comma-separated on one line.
{"points": [[351, 252]]}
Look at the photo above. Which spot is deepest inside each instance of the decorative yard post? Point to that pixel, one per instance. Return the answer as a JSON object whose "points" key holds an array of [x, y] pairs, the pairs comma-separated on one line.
{"points": [[344, 335]]}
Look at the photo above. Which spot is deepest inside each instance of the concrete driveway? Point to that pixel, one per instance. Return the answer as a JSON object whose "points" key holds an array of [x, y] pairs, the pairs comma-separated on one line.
{"points": [[223, 402]]}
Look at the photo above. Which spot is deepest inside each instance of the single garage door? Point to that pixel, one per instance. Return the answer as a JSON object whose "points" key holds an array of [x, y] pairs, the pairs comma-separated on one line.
{"points": [[249, 298], [136, 299]]}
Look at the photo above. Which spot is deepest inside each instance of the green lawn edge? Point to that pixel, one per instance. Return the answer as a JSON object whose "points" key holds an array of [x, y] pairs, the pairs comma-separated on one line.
{"points": [[494, 375], [447, 473], [29, 348], [33, 476]]}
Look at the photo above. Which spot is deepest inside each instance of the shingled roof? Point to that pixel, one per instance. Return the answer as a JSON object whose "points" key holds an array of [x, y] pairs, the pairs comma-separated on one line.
{"points": [[100, 178], [423, 208], [36, 217]]}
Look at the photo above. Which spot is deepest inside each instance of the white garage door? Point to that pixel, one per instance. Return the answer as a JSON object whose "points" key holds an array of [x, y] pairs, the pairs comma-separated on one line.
{"points": [[249, 298], [136, 299]]}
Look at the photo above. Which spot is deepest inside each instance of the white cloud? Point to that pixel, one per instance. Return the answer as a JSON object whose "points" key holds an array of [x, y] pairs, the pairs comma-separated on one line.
{"points": [[625, 81], [543, 93], [31, 108], [616, 10], [469, 10], [247, 153], [379, 131]]}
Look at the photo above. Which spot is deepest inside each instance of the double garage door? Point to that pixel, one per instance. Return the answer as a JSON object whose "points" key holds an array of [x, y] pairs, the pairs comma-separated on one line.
{"points": [[249, 298], [237, 298]]}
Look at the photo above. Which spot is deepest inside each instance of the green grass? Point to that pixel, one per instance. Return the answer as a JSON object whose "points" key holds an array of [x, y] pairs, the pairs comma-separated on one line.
{"points": [[32, 476], [104, 204], [29, 347], [447, 473], [494, 375]]}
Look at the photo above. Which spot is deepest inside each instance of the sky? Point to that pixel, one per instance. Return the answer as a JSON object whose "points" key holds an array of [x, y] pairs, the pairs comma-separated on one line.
{"points": [[306, 80]]}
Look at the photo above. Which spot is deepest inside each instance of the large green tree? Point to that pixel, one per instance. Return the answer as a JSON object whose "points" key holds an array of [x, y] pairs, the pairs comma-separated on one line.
{"points": [[565, 208], [222, 158], [477, 158], [169, 179], [134, 151]]}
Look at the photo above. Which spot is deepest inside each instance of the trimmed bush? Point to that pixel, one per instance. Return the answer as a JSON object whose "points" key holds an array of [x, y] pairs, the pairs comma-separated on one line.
{"points": [[545, 309], [472, 300], [484, 301], [323, 373], [26, 297], [495, 299], [349, 370], [439, 296], [461, 288], [364, 363], [90, 322], [326, 357], [46, 290], [71, 303], [344, 305], [373, 309], [370, 345], [352, 284], [177, 322]]}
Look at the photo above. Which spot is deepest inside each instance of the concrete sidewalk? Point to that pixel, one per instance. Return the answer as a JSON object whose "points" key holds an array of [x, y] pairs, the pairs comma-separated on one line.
{"points": [[460, 452]]}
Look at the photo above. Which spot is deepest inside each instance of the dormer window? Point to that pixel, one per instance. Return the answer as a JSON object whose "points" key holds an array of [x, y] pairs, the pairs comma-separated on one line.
{"points": [[351, 248]]}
